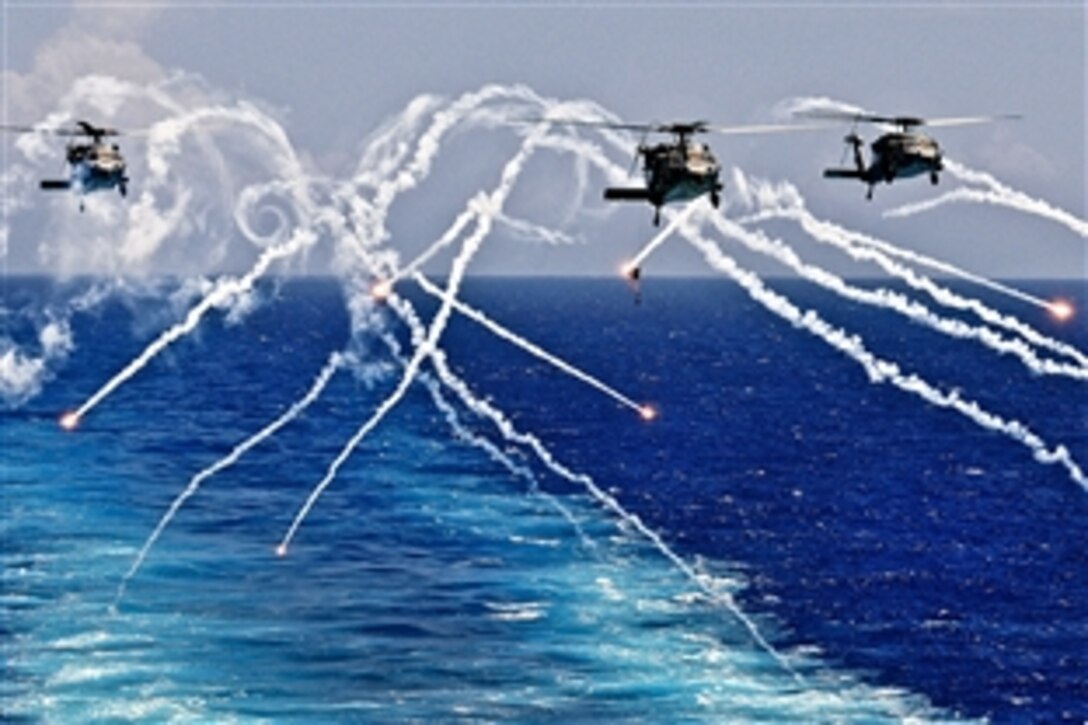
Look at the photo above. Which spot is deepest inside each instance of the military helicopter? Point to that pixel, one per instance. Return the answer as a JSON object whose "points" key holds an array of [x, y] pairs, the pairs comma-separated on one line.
{"points": [[898, 154], [95, 164], [679, 169]]}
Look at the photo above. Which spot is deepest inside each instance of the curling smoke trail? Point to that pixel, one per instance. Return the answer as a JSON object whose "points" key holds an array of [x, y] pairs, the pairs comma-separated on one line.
{"points": [[529, 347], [225, 290], [486, 208], [336, 361], [877, 369], [510, 433], [887, 299], [371, 217], [998, 194], [163, 140]]}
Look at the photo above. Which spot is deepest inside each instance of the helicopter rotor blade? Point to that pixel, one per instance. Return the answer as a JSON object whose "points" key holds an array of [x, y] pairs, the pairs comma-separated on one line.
{"points": [[833, 114], [596, 124], [688, 128], [24, 129], [767, 128], [82, 128], [903, 122], [967, 120]]}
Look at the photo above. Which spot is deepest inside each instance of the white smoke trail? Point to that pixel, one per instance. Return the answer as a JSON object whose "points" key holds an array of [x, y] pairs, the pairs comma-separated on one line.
{"points": [[785, 201], [675, 221], [163, 139], [998, 194], [786, 204], [532, 232], [368, 218], [335, 362], [828, 232], [485, 207], [895, 301], [422, 350], [225, 290], [166, 202], [447, 238], [510, 433], [609, 502], [371, 218], [484, 408], [531, 348], [407, 315], [802, 105], [880, 370], [163, 143]]}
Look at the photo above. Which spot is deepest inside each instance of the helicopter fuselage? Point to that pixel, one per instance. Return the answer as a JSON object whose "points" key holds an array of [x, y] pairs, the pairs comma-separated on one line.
{"points": [[675, 172], [903, 155], [97, 166], [897, 155]]}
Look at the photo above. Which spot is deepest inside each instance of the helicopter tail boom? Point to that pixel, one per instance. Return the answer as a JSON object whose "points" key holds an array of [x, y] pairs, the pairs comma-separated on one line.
{"points": [[842, 174], [626, 194], [56, 184]]}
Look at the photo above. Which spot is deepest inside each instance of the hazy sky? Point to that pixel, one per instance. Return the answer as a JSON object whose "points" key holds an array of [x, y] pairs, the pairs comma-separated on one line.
{"points": [[332, 72]]}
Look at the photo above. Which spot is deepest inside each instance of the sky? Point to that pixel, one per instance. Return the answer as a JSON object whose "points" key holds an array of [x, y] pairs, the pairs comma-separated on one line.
{"points": [[332, 73]]}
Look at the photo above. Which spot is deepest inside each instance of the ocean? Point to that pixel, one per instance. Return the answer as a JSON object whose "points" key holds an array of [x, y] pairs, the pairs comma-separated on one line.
{"points": [[823, 548]]}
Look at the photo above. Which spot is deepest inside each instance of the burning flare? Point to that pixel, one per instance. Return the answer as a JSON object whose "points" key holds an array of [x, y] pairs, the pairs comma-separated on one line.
{"points": [[69, 420], [1062, 310], [648, 412], [381, 290]]}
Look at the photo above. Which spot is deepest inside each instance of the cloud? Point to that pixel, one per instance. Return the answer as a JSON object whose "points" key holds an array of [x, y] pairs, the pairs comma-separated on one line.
{"points": [[23, 373], [127, 22]]}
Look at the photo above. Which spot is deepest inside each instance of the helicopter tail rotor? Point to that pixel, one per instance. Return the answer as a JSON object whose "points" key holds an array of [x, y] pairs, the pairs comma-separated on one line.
{"points": [[854, 141]]}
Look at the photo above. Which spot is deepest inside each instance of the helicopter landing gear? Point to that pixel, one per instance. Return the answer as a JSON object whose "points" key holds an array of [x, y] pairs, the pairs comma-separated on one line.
{"points": [[123, 188], [869, 193], [715, 199], [933, 178], [657, 216]]}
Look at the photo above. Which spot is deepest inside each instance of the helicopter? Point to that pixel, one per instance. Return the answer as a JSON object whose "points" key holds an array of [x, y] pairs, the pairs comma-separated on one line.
{"points": [[94, 164], [899, 154], [679, 169]]}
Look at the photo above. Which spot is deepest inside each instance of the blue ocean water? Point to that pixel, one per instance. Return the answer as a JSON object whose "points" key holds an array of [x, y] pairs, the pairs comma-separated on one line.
{"points": [[900, 560]]}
